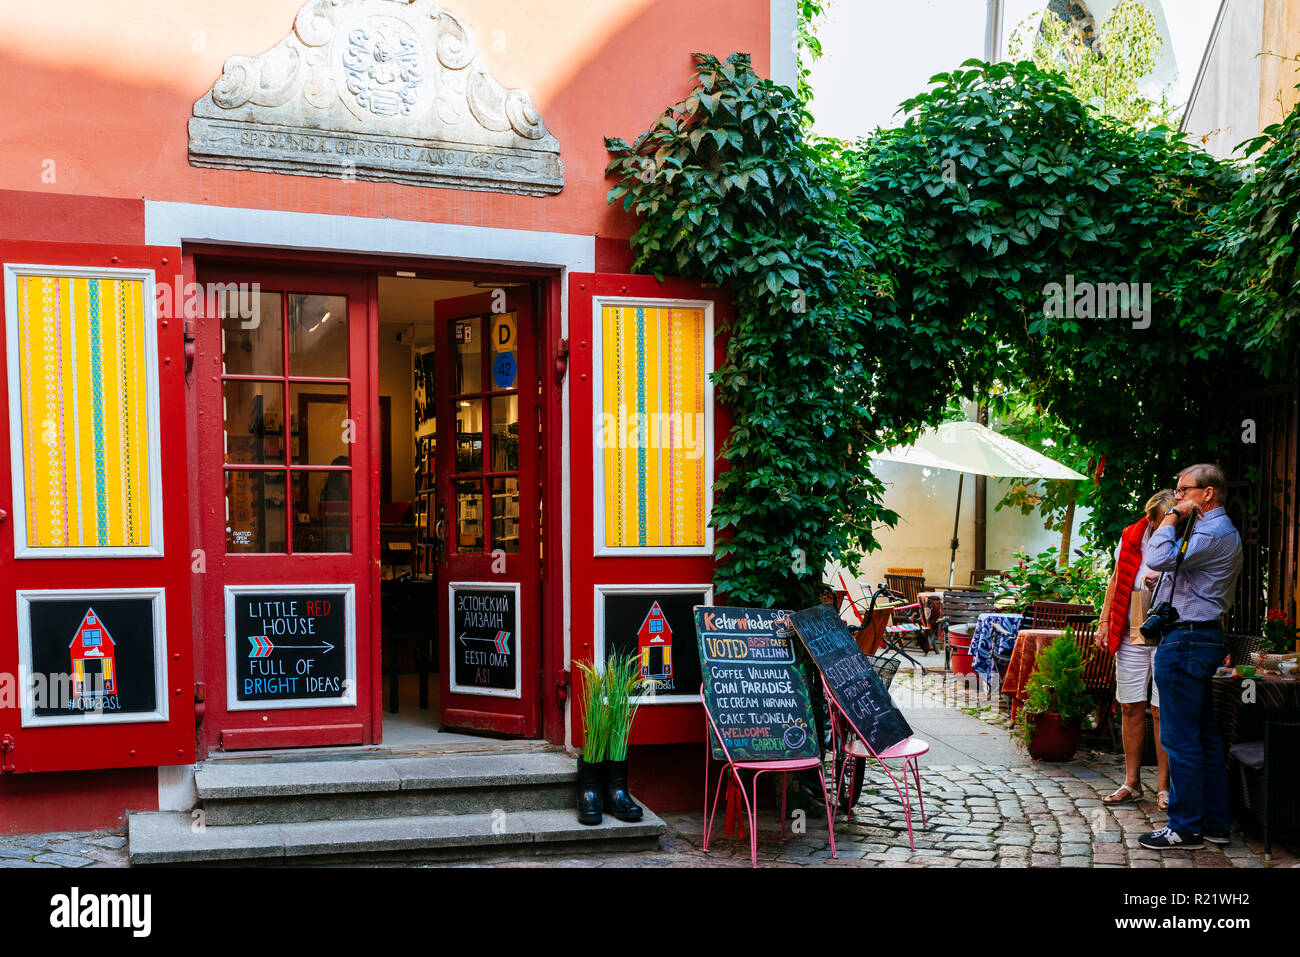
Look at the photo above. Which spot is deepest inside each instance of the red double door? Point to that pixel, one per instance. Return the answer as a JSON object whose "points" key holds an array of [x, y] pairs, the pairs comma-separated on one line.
{"points": [[289, 457]]}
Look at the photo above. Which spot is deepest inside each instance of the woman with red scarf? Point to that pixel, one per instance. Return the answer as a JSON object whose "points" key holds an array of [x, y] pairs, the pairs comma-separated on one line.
{"points": [[1127, 598]]}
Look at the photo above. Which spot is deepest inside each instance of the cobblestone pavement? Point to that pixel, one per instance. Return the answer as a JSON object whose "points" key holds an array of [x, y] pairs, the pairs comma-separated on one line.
{"points": [[84, 849], [1028, 814]]}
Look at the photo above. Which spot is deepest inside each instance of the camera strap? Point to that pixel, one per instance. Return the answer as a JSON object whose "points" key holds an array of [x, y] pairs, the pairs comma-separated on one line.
{"points": [[1178, 560]]}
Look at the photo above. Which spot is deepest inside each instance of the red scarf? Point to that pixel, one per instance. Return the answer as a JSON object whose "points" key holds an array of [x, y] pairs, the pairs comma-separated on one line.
{"points": [[1130, 560]]}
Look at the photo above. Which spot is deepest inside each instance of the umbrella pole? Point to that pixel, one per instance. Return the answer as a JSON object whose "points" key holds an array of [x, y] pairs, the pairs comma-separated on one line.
{"points": [[956, 520]]}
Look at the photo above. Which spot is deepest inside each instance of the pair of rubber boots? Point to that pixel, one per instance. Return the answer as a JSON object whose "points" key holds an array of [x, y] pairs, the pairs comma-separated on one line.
{"points": [[603, 787]]}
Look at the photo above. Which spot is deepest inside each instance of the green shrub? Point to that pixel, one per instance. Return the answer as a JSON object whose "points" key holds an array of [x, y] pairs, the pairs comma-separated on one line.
{"points": [[1056, 686]]}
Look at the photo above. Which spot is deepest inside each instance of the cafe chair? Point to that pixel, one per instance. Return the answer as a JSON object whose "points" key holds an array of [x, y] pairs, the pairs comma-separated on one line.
{"points": [[1052, 614], [1268, 777], [733, 767], [961, 611], [911, 572], [1241, 647], [907, 623], [979, 576], [1098, 669], [853, 747]]}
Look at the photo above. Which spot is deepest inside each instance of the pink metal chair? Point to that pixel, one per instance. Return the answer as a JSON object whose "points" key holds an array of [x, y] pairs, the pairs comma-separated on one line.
{"points": [[848, 741], [759, 768]]}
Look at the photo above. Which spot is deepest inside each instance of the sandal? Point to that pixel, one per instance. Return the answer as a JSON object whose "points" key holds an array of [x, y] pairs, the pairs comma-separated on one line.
{"points": [[1123, 795], [1162, 800]]}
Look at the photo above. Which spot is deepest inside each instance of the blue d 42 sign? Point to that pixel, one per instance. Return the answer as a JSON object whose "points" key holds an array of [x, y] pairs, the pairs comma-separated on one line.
{"points": [[504, 370]]}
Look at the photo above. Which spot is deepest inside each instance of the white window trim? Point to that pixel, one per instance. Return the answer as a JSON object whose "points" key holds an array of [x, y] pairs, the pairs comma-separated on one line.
{"points": [[691, 696], [26, 598], [347, 699], [602, 548], [452, 637], [149, 318]]}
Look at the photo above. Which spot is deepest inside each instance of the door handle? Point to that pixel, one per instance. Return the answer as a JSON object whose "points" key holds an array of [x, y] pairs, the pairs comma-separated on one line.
{"points": [[3, 515]]}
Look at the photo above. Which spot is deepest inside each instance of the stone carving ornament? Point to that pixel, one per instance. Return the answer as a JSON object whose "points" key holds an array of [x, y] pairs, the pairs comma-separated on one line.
{"points": [[376, 89]]}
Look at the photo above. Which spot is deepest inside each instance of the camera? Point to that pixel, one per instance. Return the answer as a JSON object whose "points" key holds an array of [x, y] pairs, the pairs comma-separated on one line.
{"points": [[1159, 622]]}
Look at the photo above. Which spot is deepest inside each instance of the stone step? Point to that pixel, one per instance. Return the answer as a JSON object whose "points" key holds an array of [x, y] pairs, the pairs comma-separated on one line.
{"points": [[334, 790], [171, 837]]}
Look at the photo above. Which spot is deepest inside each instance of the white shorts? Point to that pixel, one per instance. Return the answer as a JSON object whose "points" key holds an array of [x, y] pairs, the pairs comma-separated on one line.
{"points": [[1135, 673]]}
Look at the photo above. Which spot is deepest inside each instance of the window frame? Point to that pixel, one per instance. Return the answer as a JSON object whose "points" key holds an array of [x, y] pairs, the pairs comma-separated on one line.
{"points": [[602, 548]]}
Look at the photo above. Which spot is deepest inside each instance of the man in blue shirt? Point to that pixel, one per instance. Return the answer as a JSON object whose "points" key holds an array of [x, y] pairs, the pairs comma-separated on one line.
{"points": [[1189, 654]]}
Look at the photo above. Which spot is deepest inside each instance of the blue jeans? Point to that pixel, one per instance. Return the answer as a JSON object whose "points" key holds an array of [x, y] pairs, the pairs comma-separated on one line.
{"points": [[1198, 794]]}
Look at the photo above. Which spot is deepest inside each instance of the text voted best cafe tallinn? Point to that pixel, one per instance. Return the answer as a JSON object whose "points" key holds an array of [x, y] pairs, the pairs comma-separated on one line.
{"points": [[324, 368]]}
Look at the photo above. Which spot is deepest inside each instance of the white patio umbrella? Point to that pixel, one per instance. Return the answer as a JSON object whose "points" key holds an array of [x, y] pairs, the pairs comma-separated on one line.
{"points": [[970, 447]]}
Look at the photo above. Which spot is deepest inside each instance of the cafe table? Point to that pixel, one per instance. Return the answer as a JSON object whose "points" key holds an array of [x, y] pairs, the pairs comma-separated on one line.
{"points": [[994, 636], [1240, 710], [1024, 656]]}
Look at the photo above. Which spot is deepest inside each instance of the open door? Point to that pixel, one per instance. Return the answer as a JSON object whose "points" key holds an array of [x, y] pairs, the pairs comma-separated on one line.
{"points": [[487, 517], [287, 421]]}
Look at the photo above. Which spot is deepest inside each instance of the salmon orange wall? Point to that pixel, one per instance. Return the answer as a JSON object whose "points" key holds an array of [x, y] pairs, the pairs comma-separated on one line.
{"points": [[98, 94]]}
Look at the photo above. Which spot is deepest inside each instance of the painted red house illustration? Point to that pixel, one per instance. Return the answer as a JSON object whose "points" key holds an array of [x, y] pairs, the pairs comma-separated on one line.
{"points": [[91, 652], [655, 645]]}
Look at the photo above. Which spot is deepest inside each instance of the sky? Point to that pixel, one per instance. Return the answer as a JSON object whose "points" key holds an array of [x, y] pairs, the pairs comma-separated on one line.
{"points": [[876, 53]]}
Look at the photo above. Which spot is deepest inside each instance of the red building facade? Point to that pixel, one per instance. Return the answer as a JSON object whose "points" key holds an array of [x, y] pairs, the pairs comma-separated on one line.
{"points": [[318, 330]]}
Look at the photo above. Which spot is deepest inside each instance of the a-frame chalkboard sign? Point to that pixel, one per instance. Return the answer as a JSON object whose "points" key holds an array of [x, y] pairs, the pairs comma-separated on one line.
{"points": [[754, 690], [851, 677]]}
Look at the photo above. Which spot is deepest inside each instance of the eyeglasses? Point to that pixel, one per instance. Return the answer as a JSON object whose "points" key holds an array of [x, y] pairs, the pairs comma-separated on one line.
{"points": [[1182, 489]]}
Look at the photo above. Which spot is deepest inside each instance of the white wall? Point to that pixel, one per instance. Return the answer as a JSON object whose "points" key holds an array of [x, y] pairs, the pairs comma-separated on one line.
{"points": [[395, 381], [1225, 105], [925, 500]]}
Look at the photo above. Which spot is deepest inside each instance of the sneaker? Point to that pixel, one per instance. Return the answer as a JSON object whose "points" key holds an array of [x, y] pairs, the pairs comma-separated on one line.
{"points": [[1167, 839], [1218, 837]]}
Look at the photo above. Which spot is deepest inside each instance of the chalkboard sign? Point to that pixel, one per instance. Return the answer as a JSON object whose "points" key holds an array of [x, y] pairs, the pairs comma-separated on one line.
{"points": [[756, 694], [484, 638], [658, 626], [851, 677], [290, 646], [97, 655]]}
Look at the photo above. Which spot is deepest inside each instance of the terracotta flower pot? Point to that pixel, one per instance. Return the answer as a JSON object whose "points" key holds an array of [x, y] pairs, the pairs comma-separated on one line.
{"points": [[1052, 740]]}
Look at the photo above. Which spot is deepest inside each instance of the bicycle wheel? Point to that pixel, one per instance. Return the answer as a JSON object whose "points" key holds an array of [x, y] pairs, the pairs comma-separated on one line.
{"points": [[849, 774]]}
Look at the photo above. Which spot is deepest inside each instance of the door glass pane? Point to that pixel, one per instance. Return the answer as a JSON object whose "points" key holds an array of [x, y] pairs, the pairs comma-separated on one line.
{"points": [[254, 512], [469, 516], [505, 433], [322, 512], [505, 514], [320, 429], [467, 334], [469, 435], [251, 341], [254, 414], [318, 336]]}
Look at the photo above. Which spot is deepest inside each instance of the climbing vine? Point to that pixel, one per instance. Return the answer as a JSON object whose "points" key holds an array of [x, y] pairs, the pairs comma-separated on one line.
{"points": [[1006, 233]]}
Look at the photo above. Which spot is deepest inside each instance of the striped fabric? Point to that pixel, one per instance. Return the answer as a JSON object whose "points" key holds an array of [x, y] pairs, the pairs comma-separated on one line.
{"points": [[652, 432], [83, 399]]}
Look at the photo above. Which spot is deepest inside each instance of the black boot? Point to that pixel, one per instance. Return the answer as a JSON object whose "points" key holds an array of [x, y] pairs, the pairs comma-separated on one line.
{"points": [[589, 801], [618, 799]]}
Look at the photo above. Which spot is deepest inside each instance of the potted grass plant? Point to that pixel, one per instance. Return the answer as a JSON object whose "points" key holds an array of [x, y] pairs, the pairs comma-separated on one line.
{"points": [[1056, 701], [596, 722], [623, 687], [609, 706]]}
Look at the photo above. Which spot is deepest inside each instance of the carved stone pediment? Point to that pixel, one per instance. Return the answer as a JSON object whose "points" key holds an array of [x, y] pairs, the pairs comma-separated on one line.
{"points": [[389, 90]]}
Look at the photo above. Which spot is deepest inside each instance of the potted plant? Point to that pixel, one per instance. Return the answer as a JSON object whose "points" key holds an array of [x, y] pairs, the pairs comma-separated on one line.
{"points": [[609, 705], [1043, 578], [623, 687], [1276, 642], [1056, 701], [596, 723]]}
